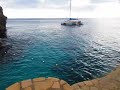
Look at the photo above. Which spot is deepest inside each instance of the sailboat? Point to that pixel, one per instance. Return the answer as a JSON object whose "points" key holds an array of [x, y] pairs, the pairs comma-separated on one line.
{"points": [[72, 21]]}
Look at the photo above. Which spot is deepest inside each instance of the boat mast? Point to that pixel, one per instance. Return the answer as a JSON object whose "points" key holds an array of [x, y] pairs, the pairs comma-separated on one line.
{"points": [[70, 9]]}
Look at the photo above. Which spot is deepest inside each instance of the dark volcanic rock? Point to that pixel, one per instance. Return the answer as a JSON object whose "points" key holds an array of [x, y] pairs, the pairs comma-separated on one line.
{"points": [[2, 24], [3, 45]]}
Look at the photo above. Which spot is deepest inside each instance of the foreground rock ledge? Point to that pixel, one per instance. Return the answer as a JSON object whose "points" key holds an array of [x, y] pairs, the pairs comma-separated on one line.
{"points": [[108, 82], [41, 84]]}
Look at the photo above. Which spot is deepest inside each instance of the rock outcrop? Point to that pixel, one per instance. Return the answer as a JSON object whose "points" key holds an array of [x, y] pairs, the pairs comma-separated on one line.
{"points": [[2, 24], [3, 29]]}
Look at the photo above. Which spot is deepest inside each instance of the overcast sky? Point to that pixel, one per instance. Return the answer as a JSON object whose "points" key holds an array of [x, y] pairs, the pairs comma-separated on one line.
{"points": [[60, 8]]}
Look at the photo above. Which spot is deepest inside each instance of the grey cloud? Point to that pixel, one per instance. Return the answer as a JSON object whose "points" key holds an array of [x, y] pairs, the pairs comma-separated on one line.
{"points": [[84, 8], [34, 3], [57, 4], [101, 1], [19, 3]]}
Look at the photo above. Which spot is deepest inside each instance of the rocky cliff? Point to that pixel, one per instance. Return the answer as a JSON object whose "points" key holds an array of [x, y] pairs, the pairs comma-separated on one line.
{"points": [[2, 24], [3, 31]]}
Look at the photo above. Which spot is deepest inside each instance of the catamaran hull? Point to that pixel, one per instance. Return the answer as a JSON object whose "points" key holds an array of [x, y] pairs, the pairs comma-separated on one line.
{"points": [[72, 23]]}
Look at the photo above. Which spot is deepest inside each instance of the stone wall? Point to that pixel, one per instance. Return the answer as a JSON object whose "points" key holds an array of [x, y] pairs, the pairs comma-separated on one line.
{"points": [[41, 84]]}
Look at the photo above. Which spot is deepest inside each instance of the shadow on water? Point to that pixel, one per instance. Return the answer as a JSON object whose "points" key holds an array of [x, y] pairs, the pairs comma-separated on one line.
{"points": [[4, 49], [12, 51]]}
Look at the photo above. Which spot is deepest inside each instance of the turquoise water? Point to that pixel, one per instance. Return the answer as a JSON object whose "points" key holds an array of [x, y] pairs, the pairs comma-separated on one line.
{"points": [[44, 48]]}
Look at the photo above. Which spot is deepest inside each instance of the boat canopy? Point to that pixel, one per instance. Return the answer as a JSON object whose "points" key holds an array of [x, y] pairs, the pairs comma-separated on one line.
{"points": [[73, 19]]}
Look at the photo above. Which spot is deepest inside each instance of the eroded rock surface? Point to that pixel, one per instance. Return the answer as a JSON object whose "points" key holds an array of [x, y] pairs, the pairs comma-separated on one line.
{"points": [[3, 19], [3, 30]]}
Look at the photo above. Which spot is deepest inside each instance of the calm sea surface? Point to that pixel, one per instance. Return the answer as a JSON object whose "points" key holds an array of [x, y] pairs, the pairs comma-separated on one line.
{"points": [[44, 48]]}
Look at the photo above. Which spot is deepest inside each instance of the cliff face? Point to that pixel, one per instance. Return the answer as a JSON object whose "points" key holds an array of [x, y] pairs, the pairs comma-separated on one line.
{"points": [[3, 31], [2, 24]]}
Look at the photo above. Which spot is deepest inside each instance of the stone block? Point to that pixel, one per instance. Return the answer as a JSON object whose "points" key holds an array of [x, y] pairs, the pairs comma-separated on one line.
{"points": [[67, 87], [52, 79], [43, 85], [75, 86], [38, 79], [56, 86], [95, 82], [15, 86], [81, 84], [94, 88], [85, 88], [28, 88], [26, 83], [88, 83], [62, 82]]}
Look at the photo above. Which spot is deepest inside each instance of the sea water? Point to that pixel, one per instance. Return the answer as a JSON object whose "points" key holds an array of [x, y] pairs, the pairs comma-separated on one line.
{"points": [[44, 48]]}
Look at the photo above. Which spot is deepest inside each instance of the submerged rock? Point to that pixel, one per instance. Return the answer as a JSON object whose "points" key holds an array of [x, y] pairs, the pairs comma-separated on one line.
{"points": [[2, 24], [4, 47]]}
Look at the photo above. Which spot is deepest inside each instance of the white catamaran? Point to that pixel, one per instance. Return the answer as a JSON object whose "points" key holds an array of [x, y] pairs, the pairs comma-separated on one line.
{"points": [[72, 21]]}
